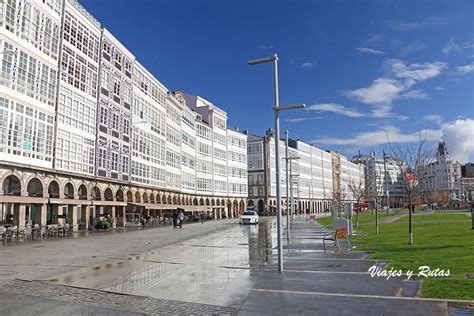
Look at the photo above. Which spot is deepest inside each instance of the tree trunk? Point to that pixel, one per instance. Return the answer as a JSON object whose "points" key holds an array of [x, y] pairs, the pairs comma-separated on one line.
{"points": [[410, 234], [357, 218]]}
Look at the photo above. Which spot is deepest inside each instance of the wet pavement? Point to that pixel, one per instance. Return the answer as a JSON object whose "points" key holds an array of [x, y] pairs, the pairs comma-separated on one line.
{"points": [[213, 268], [217, 269], [334, 282]]}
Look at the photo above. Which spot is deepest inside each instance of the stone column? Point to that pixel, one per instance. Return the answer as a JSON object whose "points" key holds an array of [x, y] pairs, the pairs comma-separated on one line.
{"points": [[21, 216], [124, 211], [60, 212], [44, 210], [100, 211], [113, 217], [75, 209], [88, 216]]}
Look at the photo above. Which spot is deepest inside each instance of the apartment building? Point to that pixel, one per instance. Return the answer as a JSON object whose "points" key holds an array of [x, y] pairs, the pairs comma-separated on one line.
{"points": [[383, 178], [86, 130], [442, 177], [313, 177]]}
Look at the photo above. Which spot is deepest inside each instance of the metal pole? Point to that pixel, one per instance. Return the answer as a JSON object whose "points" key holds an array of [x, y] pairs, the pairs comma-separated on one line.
{"points": [[277, 160], [385, 180], [291, 189], [287, 183]]}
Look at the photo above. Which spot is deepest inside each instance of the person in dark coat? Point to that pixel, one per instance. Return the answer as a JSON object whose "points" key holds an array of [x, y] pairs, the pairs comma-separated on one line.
{"points": [[175, 219], [203, 217]]}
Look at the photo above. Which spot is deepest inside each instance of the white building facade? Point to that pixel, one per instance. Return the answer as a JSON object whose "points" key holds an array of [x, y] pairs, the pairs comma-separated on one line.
{"points": [[29, 46], [442, 176], [311, 175], [86, 130], [383, 178], [77, 103]]}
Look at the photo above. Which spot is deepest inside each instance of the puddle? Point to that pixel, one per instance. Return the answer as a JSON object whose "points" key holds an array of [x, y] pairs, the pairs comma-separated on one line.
{"points": [[218, 268], [460, 311]]}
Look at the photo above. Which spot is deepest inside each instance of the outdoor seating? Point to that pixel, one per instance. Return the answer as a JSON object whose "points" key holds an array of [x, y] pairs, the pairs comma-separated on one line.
{"points": [[37, 232], [52, 231], [335, 236], [10, 233]]}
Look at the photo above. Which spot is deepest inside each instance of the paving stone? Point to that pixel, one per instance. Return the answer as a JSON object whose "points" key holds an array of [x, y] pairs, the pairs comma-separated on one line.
{"points": [[109, 300]]}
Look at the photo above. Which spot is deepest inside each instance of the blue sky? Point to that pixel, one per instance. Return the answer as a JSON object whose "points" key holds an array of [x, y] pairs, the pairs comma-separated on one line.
{"points": [[365, 69]]}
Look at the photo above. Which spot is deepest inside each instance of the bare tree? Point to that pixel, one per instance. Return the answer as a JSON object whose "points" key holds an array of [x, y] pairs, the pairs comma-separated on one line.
{"points": [[339, 198], [438, 197], [412, 160], [358, 190], [375, 189]]}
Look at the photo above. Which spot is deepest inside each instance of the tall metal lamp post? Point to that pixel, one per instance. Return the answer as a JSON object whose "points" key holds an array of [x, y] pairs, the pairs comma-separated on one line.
{"points": [[387, 194], [274, 60]]}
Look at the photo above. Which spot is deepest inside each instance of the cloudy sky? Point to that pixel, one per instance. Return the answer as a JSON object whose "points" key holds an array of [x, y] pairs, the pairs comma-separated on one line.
{"points": [[367, 70]]}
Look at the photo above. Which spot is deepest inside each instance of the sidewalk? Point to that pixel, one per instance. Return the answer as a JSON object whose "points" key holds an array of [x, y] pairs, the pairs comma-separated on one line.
{"points": [[335, 282], [96, 232]]}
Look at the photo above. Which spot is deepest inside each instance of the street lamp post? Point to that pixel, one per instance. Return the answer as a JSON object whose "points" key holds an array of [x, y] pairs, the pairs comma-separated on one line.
{"points": [[287, 183], [274, 60], [387, 194]]}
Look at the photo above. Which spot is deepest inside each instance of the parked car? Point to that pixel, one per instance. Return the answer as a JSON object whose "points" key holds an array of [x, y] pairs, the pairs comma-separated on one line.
{"points": [[248, 217]]}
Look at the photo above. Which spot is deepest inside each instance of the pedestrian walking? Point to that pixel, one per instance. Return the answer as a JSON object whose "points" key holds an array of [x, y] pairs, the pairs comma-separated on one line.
{"points": [[181, 218], [203, 217], [175, 219]]}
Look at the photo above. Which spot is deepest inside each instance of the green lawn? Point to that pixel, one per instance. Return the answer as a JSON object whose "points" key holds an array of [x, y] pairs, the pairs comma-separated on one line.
{"points": [[444, 245], [435, 217], [364, 218]]}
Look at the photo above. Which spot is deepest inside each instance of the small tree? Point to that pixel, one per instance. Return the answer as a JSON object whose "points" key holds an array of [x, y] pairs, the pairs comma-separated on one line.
{"points": [[339, 199], [439, 198], [375, 189], [411, 160], [358, 190]]}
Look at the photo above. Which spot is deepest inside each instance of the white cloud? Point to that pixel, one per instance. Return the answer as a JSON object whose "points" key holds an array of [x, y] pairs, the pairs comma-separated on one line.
{"points": [[415, 94], [425, 22], [370, 51], [384, 111], [309, 65], [438, 88], [335, 108], [464, 70], [379, 137], [375, 39], [413, 47], [438, 119], [452, 47], [301, 119], [418, 72], [458, 137], [382, 91], [469, 45], [400, 78]]}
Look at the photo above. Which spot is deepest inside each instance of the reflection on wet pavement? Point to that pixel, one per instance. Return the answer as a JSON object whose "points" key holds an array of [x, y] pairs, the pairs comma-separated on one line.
{"points": [[218, 268]]}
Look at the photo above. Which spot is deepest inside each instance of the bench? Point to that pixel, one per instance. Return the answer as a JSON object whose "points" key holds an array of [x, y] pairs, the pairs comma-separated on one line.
{"points": [[335, 236]]}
